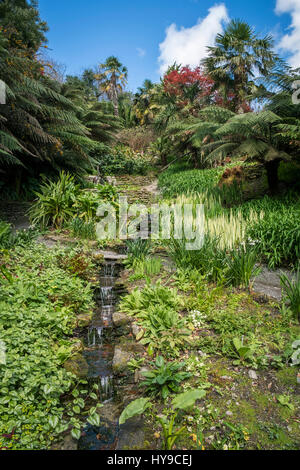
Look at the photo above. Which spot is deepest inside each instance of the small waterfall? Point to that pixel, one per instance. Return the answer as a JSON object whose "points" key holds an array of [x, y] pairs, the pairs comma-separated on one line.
{"points": [[95, 336], [107, 296], [107, 312], [106, 387], [109, 269]]}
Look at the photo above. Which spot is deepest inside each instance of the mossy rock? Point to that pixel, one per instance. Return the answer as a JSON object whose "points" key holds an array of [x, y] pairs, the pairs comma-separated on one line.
{"points": [[120, 361], [121, 319], [84, 319], [77, 365]]}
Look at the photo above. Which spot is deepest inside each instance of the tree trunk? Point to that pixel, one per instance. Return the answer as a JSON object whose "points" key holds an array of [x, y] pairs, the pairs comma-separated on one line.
{"points": [[272, 173], [115, 96]]}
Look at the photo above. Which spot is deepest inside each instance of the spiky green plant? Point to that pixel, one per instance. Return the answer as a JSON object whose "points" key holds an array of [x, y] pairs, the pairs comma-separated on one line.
{"points": [[291, 289]]}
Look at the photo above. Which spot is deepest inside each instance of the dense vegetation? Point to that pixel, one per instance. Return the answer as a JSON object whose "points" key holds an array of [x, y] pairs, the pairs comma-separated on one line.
{"points": [[68, 143]]}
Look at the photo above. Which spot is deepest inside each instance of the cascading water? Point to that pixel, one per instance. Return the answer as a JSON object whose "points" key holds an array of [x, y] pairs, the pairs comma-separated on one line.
{"points": [[95, 336], [99, 355]]}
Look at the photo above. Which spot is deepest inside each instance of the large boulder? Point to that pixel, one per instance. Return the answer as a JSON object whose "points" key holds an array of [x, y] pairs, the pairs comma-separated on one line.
{"points": [[121, 319], [77, 365], [120, 360]]}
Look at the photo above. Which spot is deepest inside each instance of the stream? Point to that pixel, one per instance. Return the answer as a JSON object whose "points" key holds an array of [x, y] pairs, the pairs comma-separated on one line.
{"points": [[98, 353]]}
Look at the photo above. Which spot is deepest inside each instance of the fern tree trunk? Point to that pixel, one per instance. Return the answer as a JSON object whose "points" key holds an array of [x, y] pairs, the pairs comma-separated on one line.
{"points": [[272, 174]]}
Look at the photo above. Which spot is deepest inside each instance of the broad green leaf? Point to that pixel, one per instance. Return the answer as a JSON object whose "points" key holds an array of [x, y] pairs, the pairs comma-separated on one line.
{"points": [[53, 421], [187, 399], [136, 407], [76, 433], [94, 420]]}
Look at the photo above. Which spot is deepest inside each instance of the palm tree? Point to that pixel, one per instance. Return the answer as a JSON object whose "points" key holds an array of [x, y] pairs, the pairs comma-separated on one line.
{"points": [[142, 102], [236, 58], [112, 80]]}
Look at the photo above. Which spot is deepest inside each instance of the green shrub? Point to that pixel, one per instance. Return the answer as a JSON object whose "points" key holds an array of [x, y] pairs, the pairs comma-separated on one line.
{"points": [[147, 267], [175, 182], [9, 239], [58, 202], [122, 160], [5, 234], [164, 378], [137, 250]]}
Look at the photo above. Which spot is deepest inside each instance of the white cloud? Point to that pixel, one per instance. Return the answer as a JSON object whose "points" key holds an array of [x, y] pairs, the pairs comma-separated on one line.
{"points": [[141, 52], [187, 46], [291, 41]]}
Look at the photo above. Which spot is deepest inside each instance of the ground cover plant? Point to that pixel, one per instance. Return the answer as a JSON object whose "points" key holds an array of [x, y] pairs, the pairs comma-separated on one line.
{"points": [[40, 301]]}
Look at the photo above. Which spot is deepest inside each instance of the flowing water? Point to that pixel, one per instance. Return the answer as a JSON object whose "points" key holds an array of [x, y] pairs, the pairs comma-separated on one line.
{"points": [[99, 356]]}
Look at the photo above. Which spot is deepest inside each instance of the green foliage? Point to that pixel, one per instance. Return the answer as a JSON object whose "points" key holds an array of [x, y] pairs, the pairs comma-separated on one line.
{"points": [[122, 160], [9, 239], [208, 260], [241, 267], [181, 402], [5, 234], [55, 202], [81, 229], [145, 268], [156, 308], [291, 289], [277, 235], [62, 201], [136, 407], [137, 251], [151, 296], [175, 182], [244, 352], [39, 303], [164, 378]]}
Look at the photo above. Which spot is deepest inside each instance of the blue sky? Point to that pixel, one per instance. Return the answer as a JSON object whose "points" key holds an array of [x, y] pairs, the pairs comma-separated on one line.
{"points": [[149, 35]]}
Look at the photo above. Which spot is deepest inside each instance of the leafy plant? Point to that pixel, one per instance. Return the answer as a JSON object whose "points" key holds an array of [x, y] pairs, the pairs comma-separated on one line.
{"points": [[136, 407], [241, 267], [55, 202], [81, 229], [208, 260], [39, 305], [148, 267], [284, 400], [277, 235], [164, 378], [181, 402], [137, 250], [291, 290], [295, 358], [244, 352], [135, 364]]}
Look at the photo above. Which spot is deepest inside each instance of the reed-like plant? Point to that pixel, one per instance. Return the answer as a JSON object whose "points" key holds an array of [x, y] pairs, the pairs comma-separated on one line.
{"points": [[241, 267], [291, 290]]}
